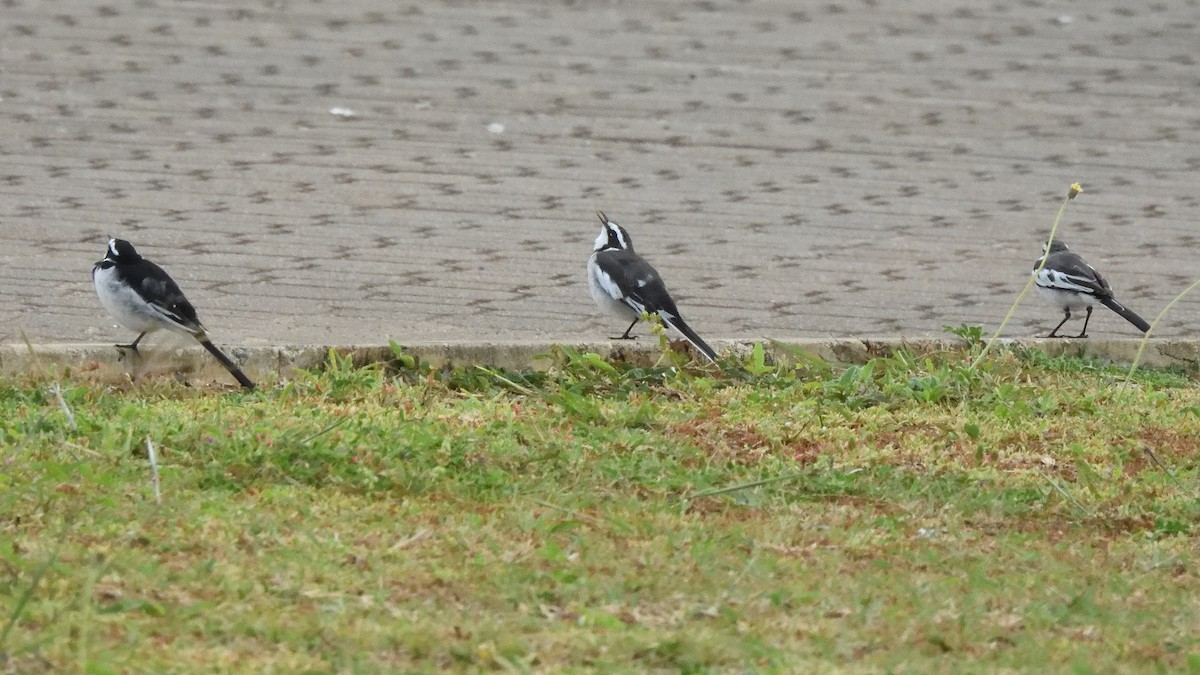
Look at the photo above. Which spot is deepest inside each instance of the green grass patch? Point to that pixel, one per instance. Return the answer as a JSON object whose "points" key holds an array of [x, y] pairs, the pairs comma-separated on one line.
{"points": [[911, 514]]}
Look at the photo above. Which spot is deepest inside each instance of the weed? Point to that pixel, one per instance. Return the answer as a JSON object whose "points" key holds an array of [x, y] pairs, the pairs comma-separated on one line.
{"points": [[909, 513]]}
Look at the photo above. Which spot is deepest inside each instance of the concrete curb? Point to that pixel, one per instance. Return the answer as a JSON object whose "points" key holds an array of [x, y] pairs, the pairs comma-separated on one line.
{"points": [[279, 362]]}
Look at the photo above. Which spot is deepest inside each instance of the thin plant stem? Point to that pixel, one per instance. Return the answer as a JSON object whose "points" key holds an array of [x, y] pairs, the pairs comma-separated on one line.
{"points": [[1075, 189], [1146, 338], [745, 486]]}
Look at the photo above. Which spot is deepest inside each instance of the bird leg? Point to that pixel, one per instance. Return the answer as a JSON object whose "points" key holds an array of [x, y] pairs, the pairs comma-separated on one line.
{"points": [[1083, 333], [626, 335], [1066, 318], [132, 346]]}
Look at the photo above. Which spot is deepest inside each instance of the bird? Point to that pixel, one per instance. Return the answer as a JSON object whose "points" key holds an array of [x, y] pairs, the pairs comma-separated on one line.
{"points": [[142, 297], [623, 284], [1067, 280]]}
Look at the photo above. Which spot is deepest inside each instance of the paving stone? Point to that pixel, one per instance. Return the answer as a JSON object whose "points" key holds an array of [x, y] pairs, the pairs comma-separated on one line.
{"points": [[319, 172]]}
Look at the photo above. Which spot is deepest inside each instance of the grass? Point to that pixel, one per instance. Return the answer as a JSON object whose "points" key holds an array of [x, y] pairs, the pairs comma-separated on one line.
{"points": [[911, 514]]}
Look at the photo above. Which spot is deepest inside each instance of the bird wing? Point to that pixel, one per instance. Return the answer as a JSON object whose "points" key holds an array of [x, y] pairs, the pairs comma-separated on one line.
{"points": [[609, 274], [627, 277], [1069, 272], [165, 298]]}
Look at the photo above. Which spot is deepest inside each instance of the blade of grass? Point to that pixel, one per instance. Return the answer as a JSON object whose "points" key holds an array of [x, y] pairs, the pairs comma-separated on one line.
{"points": [[27, 594], [154, 471], [1154, 458], [1063, 491], [324, 431], [520, 389], [33, 355], [745, 486], [570, 512], [62, 403]]}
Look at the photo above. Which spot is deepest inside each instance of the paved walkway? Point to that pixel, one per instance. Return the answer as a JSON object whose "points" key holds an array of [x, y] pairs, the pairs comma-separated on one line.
{"points": [[344, 172]]}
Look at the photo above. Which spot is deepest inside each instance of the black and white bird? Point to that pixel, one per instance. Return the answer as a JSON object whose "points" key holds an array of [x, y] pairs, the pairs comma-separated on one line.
{"points": [[144, 298], [623, 284], [1069, 282]]}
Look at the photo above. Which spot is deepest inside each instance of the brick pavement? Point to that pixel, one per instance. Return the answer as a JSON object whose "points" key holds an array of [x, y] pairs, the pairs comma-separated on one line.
{"points": [[850, 168]]}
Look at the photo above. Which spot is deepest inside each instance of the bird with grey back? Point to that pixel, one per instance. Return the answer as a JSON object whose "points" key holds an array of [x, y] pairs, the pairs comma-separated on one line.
{"points": [[1069, 282]]}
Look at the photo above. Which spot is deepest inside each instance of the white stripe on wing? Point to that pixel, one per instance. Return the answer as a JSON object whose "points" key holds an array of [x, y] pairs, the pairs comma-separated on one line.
{"points": [[1064, 282], [606, 282]]}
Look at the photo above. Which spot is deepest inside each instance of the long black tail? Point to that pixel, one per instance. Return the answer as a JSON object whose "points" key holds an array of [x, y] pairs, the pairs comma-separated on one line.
{"points": [[681, 326], [1126, 313], [229, 365]]}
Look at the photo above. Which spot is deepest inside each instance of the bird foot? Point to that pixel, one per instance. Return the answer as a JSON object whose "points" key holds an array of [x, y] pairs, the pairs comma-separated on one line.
{"points": [[127, 349]]}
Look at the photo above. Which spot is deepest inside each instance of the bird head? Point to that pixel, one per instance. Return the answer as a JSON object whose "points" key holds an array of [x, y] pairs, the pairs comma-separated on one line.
{"points": [[1056, 246], [121, 252], [612, 236]]}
